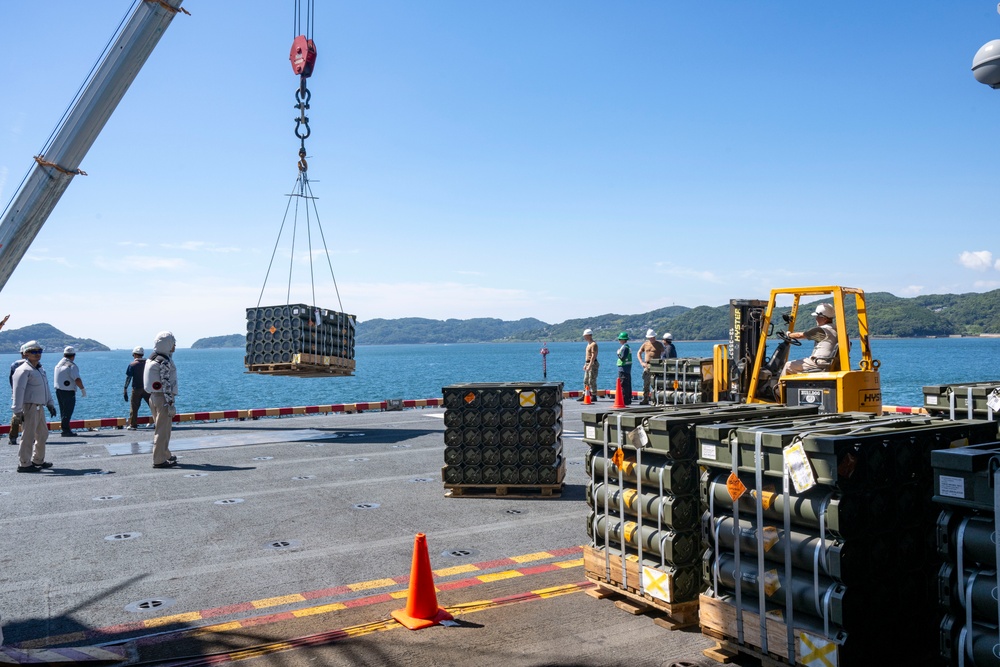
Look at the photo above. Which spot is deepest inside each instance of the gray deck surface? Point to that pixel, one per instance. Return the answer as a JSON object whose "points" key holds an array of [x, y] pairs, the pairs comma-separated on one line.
{"points": [[67, 581]]}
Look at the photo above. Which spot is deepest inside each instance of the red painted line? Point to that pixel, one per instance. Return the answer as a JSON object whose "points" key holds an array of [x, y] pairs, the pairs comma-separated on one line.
{"points": [[502, 562], [538, 569], [569, 551], [516, 597], [326, 592], [372, 599], [463, 583], [270, 618], [228, 609]]}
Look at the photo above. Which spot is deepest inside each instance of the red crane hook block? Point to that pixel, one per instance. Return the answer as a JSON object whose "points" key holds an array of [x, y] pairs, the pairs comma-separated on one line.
{"points": [[303, 56]]}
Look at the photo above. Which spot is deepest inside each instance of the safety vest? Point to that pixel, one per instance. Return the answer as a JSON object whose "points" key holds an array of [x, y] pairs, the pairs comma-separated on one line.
{"points": [[624, 355]]}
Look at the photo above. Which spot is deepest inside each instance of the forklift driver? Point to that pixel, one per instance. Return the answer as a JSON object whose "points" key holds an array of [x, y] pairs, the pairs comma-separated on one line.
{"points": [[824, 336]]}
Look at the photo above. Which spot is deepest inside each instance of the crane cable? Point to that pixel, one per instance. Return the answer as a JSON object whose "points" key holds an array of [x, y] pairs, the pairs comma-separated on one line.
{"points": [[303, 59]]}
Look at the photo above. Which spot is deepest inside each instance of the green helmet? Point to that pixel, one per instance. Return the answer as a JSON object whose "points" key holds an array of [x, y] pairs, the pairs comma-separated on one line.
{"points": [[623, 336]]}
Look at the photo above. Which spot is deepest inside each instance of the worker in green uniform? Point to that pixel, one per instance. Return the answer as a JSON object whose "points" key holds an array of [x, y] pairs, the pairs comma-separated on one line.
{"points": [[625, 367]]}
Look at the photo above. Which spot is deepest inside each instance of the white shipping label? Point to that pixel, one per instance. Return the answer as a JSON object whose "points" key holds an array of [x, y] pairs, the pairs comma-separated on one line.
{"points": [[590, 432], [951, 487], [799, 468], [993, 401], [930, 400], [708, 452]]}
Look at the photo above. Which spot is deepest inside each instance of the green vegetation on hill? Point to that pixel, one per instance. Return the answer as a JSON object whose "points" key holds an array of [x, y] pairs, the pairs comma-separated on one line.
{"points": [[888, 315], [52, 340], [233, 340]]}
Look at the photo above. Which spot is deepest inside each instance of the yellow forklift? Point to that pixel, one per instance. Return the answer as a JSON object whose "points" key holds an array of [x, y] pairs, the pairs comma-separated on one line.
{"points": [[746, 374]]}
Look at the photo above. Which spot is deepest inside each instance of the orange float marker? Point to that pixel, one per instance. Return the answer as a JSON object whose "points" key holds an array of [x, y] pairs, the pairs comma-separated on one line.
{"points": [[422, 610]]}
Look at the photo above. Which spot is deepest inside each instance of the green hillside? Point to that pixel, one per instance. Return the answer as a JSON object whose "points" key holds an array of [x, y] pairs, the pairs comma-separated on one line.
{"points": [[52, 340], [969, 314], [233, 340]]}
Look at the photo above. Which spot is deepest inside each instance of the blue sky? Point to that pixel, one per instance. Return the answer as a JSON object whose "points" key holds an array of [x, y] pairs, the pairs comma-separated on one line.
{"points": [[508, 159]]}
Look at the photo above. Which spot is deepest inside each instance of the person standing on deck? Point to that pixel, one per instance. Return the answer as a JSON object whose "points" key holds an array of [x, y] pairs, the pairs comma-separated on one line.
{"points": [[134, 376], [669, 351], [15, 422], [650, 349], [66, 380], [590, 366], [625, 368], [160, 381], [31, 395]]}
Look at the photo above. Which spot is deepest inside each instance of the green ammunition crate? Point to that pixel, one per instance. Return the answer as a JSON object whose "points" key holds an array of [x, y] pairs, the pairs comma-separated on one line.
{"points": [[964, 476], [938, 399]]}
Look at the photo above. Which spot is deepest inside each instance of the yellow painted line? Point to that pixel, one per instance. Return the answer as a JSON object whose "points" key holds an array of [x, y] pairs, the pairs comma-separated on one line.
{"points": [[528, 558], [219, 627], [497, 576], [555, 591], [458, 569], [399, 594], [566, 564], [374, 583], [186, 617], [322, 609], [280, 600]]}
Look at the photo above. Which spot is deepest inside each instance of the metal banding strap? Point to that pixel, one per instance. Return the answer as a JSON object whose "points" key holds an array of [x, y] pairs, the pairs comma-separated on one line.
{"points": [[996, 538], [659, 515], [968, 406], [789, 602], [735, 455], [758, 464], [962, 637], [621, 500], [951, 403], [638, 509], [715, 525], [967, 649], [607, 520]]}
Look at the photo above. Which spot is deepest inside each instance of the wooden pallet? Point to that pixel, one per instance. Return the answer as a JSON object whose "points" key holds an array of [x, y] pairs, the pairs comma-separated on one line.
{"points": [[670, 615], [307, 365], [503, 490], [718, 621]]}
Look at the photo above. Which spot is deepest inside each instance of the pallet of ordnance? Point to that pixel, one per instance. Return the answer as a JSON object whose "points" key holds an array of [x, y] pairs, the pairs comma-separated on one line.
{"points": [[967, 488], [299, 340], [970, 400], [824, 528], [682, 380], [503, 439], [643, 499]]}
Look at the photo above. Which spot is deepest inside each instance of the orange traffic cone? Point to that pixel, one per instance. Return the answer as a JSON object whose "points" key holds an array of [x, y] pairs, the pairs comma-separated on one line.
{"points": [[586, 397], [619, 397], [422, 610]]}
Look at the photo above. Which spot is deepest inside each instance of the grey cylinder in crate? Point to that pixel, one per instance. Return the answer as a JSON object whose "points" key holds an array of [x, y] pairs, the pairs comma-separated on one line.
{"points": [[676, 548], [679, 513], [680, 477]]}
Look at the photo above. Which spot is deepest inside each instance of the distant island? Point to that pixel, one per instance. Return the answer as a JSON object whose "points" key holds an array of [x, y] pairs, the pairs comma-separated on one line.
{"points": [[213, 342], [50, 338], [889, 316]]}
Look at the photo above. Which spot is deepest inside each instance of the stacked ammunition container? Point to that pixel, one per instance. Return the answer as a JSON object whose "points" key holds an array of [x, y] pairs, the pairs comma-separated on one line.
{"points": [[643, 498], [962, 401], [681, 381], [299, 340], [967, 485], [502, 435], [844, 563]]}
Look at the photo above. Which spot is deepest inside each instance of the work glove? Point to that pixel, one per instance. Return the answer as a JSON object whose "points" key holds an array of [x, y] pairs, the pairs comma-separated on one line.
{"points": [[52, 411]]}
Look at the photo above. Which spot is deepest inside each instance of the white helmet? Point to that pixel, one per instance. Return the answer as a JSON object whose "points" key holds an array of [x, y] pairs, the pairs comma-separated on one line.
{"points": [[588, 332], [668, 336], [650, 333], [69, 351], [138, 350], [824, 309]]}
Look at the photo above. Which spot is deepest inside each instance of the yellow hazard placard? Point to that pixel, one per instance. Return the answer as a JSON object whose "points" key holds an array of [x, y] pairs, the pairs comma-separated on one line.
{"points": [[629, 497], [735, 486], [770, 537], [658, 584], [817, 651], [527, 399], [766, 496], [628, 531]]}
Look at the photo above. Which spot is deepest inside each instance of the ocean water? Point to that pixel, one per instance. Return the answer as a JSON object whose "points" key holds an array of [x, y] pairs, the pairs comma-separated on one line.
{"points": [[215, 379]]}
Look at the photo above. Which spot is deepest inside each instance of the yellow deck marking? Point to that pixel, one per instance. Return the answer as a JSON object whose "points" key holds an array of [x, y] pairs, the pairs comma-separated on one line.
{"points": [[458, 569], [527, 558], [497, 576], [577, 562], [219, 627], [176, 618], [400, 594], [322, 609], [374, 583], [555, 591], [280, 600]]}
